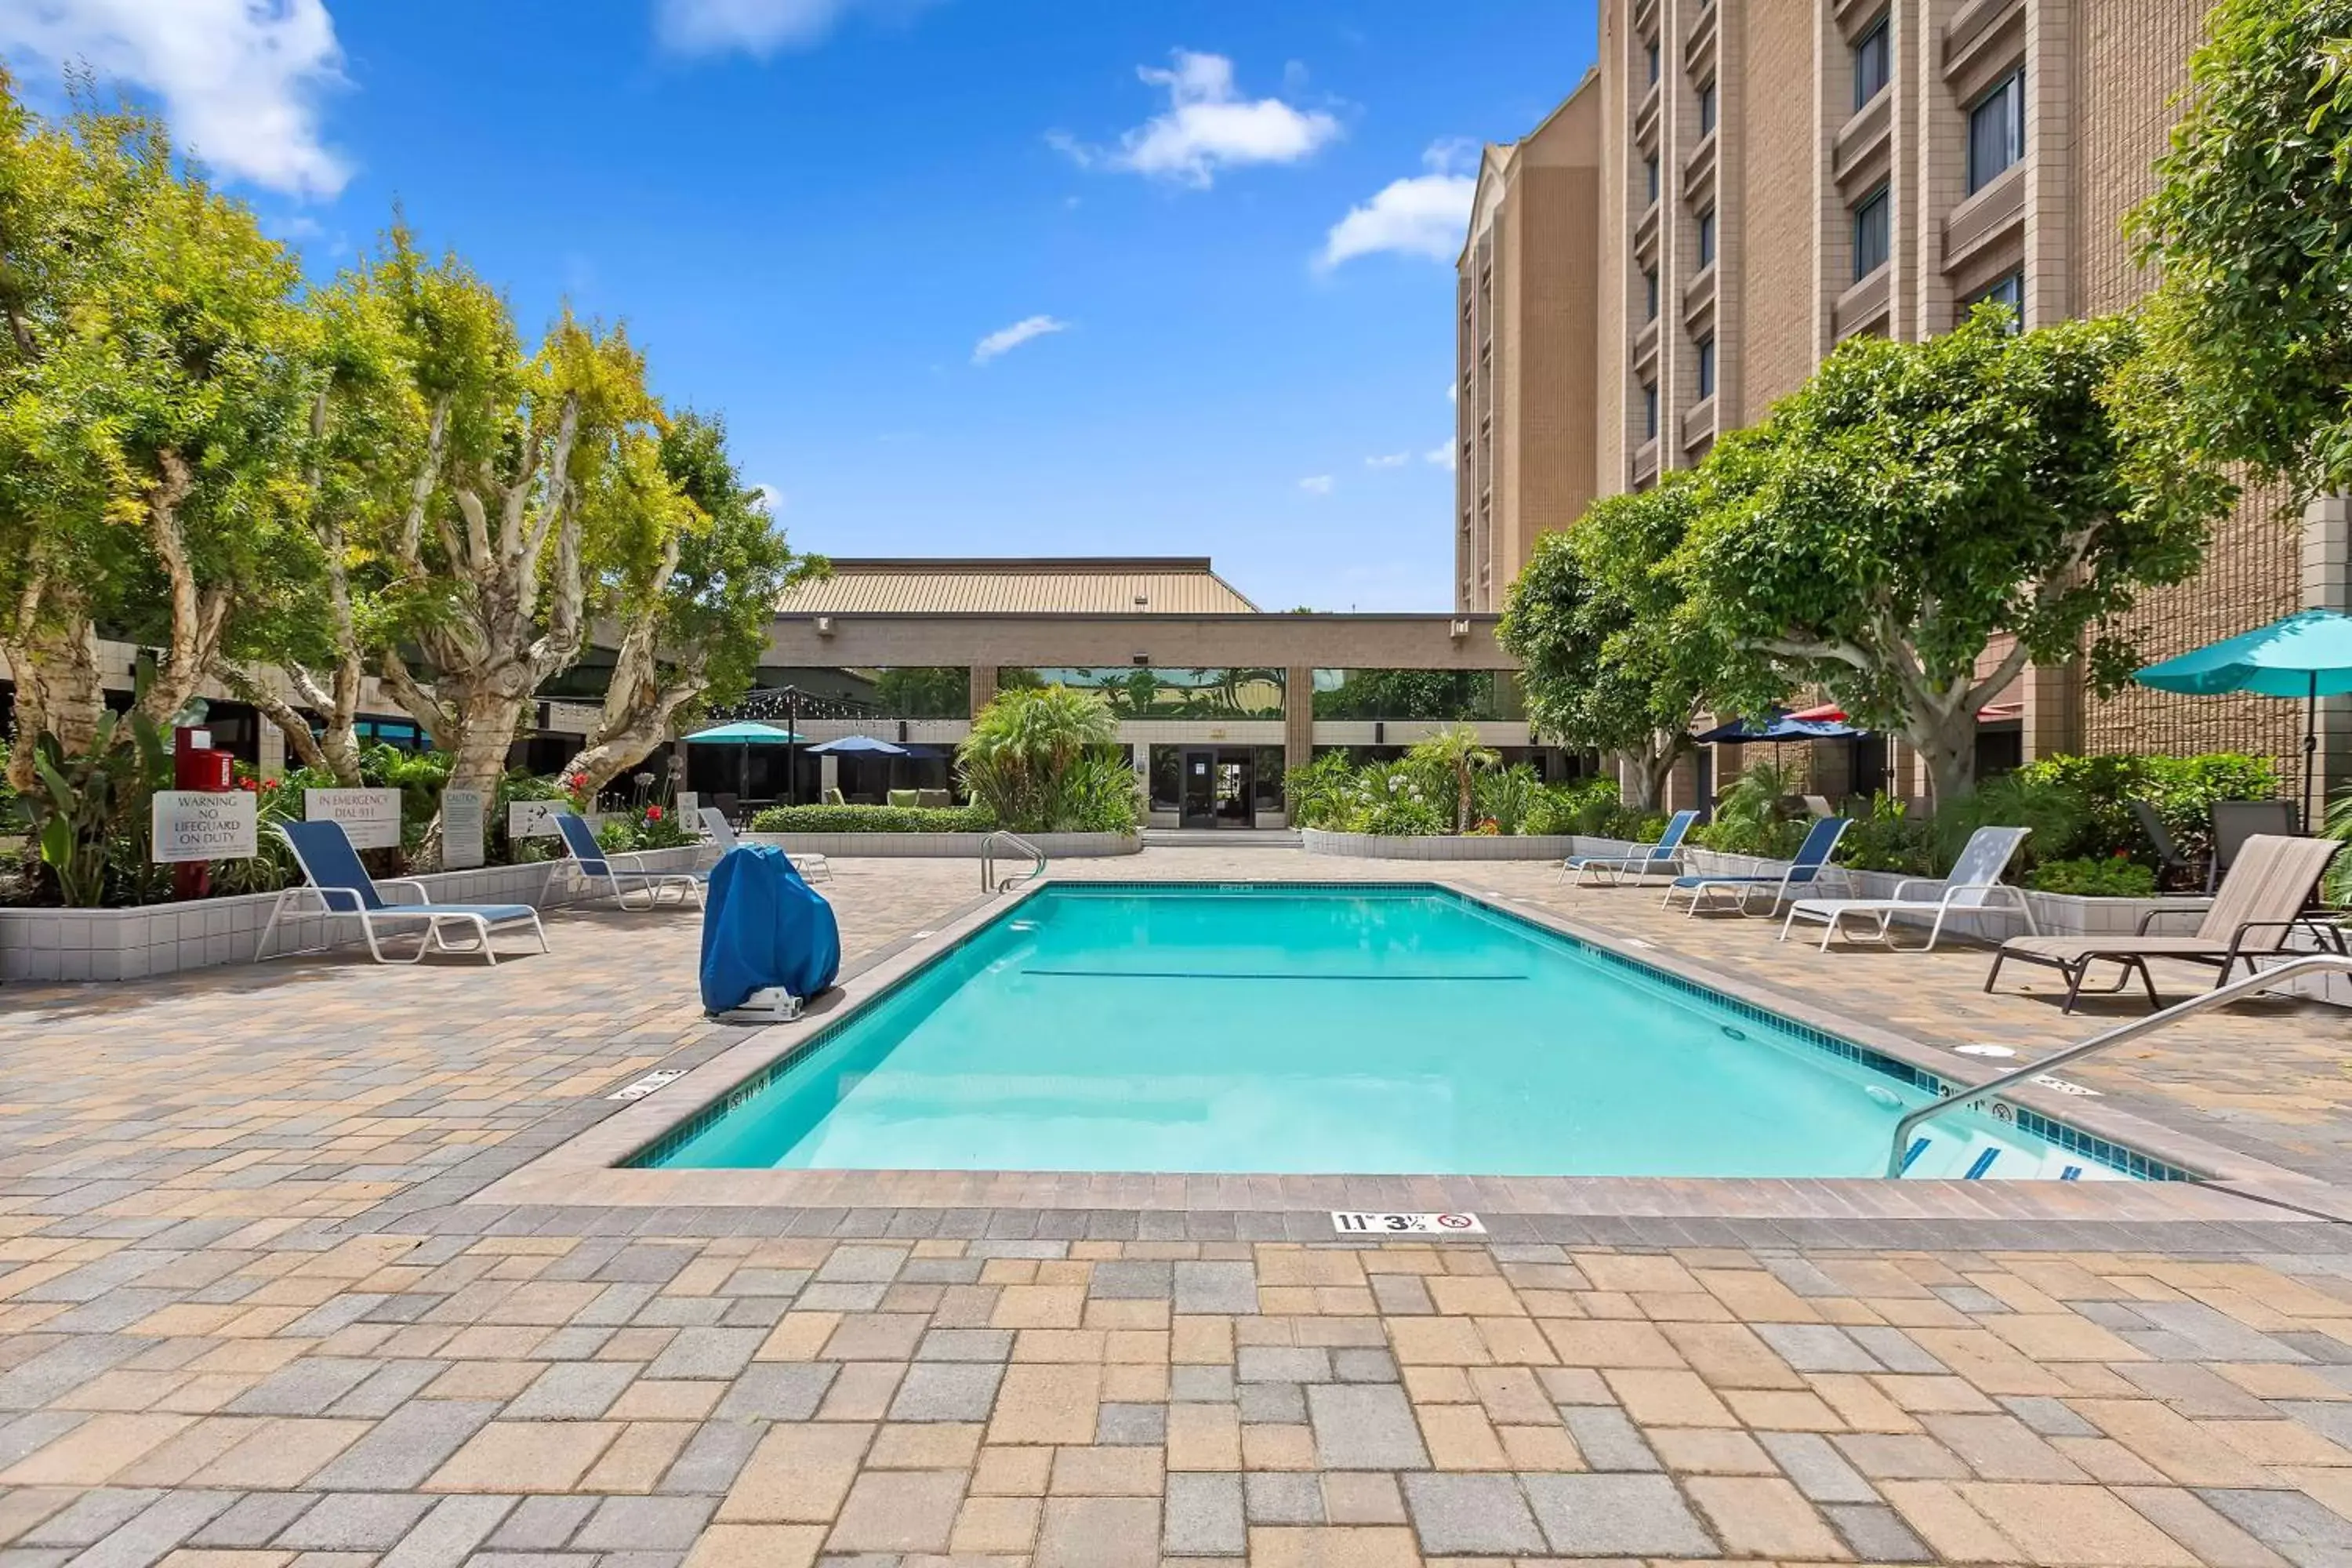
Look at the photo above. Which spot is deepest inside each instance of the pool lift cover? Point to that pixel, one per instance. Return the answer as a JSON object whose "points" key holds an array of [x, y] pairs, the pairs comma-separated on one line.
{"points": [[769, 941]]}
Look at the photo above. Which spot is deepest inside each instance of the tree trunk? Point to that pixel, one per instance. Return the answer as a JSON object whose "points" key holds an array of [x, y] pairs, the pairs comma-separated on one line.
{"points": [[1462, 807], [1949, 746], [485, 732], [253, 690], [1642, 775], [58, 693]]}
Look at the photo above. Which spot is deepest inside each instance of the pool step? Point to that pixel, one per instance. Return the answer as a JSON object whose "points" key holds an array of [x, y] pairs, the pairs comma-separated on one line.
{"points": [[1941, 1156]]}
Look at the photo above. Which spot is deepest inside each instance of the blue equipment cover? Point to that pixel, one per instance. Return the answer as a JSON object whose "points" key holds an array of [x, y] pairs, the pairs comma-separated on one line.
{"points": [[763, 926]]}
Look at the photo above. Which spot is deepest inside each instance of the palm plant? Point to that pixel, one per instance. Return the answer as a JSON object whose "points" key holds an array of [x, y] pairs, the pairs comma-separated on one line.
{"points": [[1022, 759], [1457, 752]]}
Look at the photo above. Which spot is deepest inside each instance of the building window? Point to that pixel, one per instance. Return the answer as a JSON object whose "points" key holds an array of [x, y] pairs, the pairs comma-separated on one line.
{"points": [[1649, 411], [1650, 295], [1706, 109], [1872, 60], [1652, 171], [1653, 59], [1872, 231], [1995, 132], [2008, 291], [1707, 239], [1705, 369]]}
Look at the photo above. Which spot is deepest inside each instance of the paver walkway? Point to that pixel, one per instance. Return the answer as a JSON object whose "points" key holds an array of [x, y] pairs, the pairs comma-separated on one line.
{"points": [[227, 1336]]}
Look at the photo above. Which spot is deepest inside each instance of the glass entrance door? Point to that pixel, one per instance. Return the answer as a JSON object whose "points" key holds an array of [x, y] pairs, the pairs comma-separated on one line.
{"points": [[1200, 798]]}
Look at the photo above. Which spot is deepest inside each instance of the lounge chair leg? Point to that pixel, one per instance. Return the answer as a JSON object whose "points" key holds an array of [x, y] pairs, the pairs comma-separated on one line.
{"points": [[2074, 982], [2155, 1003], [1994, 973], [1791, 920]]}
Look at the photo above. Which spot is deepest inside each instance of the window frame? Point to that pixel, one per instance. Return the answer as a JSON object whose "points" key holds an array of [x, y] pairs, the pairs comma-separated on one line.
{"points": [[1708, 108], [1705, 360], [1649, 411], [2009, 90], [1876, 40], [1705, 243], [1881, 200], [2012, 280], [1657, 61], [1655, 175], [1651, 293]]}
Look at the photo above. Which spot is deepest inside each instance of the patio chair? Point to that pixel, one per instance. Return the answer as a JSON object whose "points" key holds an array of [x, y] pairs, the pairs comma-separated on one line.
{"points": [[334, 876], [2263, 900], [1818, 807], [808, 863], [2236, 821], [595, 865], [905, 799], [835, 797], [1974, 885], [2170, 862], [1665, 855], [1810, 867], [935, 800]]}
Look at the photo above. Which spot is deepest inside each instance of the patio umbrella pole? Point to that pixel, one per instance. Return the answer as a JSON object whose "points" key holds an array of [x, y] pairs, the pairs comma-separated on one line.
{"points": [[2310, 744]]}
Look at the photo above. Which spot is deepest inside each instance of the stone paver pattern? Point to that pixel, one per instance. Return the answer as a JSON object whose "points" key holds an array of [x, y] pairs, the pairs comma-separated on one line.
{"points": [[227, 1338]]}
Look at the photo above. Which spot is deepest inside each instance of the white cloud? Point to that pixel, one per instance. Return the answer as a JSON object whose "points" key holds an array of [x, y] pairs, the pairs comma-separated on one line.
{"points": [[769, 497], [1316, 484], [1424, 214], [1006, 339], [240, 80], [1388, 460], [1441, 456], [757, 27], [1209, 126]]}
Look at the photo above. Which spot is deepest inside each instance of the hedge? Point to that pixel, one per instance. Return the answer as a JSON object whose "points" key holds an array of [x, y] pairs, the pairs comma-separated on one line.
{"points": [[873, 819]]}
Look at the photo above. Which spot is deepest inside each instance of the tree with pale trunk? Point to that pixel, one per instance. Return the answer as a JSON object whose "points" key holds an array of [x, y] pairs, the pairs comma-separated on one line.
{"points": [[693, 566], [487, 566], [1914, 503], [1612, 656], [155, 380]]}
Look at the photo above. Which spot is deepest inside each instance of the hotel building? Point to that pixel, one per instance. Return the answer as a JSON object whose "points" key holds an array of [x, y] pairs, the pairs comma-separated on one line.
{"points": [[1737, 186]]}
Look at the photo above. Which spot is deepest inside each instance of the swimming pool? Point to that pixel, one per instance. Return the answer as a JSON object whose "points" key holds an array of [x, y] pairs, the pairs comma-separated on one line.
{"points": [[1360, 1029]]}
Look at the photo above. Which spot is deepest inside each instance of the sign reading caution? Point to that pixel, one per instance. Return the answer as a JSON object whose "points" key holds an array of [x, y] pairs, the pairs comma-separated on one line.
{"points": [[195, 824]]}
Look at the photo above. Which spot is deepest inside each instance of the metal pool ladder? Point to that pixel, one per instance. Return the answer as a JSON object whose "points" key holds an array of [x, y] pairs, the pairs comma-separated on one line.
{"points": [[988, 882], [2308, 964]]}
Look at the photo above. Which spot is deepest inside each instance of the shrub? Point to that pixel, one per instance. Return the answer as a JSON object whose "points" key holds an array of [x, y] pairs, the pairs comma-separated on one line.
{"points": [[873, 819], [1401, 815], [1585, 806], [1039, 759], [1887, 837], [617, 836], [1318, 794], [1754, 815], [2182, 790], [1507, 798], [2114, 877], [2056, 813]]}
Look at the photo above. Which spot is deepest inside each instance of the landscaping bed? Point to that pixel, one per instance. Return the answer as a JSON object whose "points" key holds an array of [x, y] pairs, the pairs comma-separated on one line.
{"points": [[945, 846]]}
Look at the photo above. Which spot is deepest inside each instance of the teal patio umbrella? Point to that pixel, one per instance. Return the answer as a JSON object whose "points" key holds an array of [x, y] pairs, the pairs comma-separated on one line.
{"points": [[747, 735], [2307, 655]]}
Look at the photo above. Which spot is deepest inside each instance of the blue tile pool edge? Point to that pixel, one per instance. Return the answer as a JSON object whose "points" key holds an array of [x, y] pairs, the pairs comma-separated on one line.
{"points": [[2073, 1140]]}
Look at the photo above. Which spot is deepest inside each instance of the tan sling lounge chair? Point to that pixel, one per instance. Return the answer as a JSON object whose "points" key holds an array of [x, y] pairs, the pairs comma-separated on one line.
{"points": [[2262, 900]]}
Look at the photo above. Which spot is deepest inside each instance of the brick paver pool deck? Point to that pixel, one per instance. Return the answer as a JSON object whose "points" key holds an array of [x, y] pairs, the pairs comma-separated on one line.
{"points": [[254, 1310]]}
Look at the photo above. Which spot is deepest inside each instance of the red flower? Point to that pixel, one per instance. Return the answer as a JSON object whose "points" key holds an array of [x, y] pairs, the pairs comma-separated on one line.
{"points": [[248, 784], [577, 780], [271, 784], [653, 814]]}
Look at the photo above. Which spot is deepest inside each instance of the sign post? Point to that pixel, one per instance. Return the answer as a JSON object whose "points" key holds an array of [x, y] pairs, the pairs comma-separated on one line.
{"points": [[198, 769]]}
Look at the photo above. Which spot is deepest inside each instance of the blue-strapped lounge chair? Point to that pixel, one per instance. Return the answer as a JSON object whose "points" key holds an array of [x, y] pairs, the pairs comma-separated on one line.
{"points": [[334, 877], [1974, 886], [1646, 859], [1810, 869], [595, 865]]}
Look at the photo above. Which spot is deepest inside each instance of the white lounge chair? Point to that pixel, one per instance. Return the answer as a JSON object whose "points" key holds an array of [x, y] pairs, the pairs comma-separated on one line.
{"points": [[1974, 886], [334, 876], [813, 867]]}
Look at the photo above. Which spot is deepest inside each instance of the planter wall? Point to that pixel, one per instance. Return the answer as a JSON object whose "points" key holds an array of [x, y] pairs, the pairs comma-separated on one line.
{"points": [[163, 939], [944, 846], [1438, 846]]}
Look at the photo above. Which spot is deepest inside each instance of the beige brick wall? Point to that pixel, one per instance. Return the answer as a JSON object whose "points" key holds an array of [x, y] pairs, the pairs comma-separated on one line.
{"points": [[1777, 173], [2133, 61], [1559, 301]]}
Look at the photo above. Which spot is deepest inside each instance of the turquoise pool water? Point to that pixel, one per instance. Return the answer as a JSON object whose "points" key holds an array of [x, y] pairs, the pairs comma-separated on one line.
{"points": [[1368, 1030]]}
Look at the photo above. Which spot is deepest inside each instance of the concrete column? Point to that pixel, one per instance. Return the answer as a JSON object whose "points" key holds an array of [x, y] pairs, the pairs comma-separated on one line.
{"points": [[828, 776], [2052, 699], [2327, 585], [1297, 715], [273, 749]]}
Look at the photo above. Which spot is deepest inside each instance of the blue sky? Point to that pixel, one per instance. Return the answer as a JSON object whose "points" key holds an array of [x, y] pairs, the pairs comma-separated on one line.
{"points": [[965, 277]]}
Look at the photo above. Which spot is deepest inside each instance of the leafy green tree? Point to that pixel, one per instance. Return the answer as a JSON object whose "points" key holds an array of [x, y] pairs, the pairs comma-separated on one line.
{"points": [[1615, 656], [693, 565], [2252, 228], [1031, 757], [1916, 502], [155, 393]]}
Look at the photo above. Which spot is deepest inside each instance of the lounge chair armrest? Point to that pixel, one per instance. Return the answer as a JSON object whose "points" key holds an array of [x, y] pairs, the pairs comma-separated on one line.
{"points": [[417, 888], [340, 900], [2153, 915], [1903, 889], [1952, 889], [2238, 937]]}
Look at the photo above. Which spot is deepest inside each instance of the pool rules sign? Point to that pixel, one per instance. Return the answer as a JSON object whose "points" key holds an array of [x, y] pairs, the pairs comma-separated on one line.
{"points": [[201, 825]]}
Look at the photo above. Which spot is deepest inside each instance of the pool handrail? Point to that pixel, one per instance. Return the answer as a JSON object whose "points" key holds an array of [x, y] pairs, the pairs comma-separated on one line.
{"points": [[2132, 1030], [1012, 840]]}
